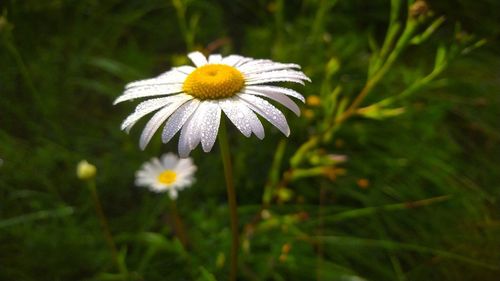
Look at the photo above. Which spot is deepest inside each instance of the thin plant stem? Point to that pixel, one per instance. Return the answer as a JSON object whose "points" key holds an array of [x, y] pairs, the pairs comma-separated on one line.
{"points": [[274, 174], [231, 195], [104, 223], [26, 75], [180, 8], [180, 230], [373, 80], [320, 246]]}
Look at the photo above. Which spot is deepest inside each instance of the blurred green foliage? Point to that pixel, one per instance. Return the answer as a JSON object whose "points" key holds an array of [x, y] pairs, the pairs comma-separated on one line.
{"points": [[417, 198]]}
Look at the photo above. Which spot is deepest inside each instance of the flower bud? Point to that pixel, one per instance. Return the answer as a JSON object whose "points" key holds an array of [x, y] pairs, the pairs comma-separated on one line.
{"points": [[265, 214], [418, 8], [5, 25], [85, 170]]}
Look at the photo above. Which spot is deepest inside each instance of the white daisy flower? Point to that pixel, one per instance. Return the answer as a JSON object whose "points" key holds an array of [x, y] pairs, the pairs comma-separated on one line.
{"points": [[190, 99], [170, 174]]}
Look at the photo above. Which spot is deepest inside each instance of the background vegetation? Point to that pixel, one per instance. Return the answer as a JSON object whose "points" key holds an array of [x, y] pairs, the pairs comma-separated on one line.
{"points": [[412, 196]]}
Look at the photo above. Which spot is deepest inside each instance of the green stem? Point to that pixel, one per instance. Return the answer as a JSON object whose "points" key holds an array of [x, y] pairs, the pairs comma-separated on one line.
{"points": [[180, 230], [26, 75], [104, 223], [320, 246], [373, 81], [180, 9], [319, 19], [231, 195], [274, 174]]}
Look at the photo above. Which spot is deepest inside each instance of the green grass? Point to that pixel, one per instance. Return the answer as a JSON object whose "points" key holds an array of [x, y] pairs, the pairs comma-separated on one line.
{"points": [[427, 211]]}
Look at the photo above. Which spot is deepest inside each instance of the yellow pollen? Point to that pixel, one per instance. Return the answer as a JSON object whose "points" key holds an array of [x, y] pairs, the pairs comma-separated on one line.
{"points": [[167, 177], [214, 81]]}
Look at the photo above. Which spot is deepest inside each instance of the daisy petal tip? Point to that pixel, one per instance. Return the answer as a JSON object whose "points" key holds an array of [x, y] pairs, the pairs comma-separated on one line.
{"points": [[198, 58], [173, 195], [207, 147], [184, 154], [123, 127], [259, 132], [143, 143], [195, 53], [118, 100], [165, 138], [260, 137], [126, 129]]}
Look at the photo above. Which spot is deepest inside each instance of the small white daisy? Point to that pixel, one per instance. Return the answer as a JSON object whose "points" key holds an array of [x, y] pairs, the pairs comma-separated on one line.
{"points": [[194, 97], [170, 174]]}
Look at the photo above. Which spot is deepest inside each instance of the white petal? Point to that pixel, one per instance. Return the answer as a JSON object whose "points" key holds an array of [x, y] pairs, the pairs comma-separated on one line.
{"points": [[185, 168], [186, 69], [170, 77], [187, 140], [242, 117], [210, 125], [155, 122], [243, 61], [284, 100], [276, 76], [157, 164], [184, 183], [158, 187], [274, 79], [172, 192], [184, 164], [202, 126], [254, 62], [169, 161], [149, 91], [149, 175], [267, 88], [198, 58], [232, 60], [257, 127], [150, 168], [143, 109], [143, 181], [265, 67], [178, 119], [191, 131], [186, 174], [215, 58], [268, 111], [149, 106]]}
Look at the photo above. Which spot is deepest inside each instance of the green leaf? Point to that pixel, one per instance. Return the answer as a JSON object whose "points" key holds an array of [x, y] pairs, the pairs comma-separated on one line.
{"points": [[40, 215], [398, 246], [376, 111], [206, 275], [440, 56]]}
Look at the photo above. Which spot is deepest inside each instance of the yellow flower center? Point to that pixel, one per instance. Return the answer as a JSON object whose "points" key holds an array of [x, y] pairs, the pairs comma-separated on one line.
{"points": [[167, 177], [214, 81]]}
